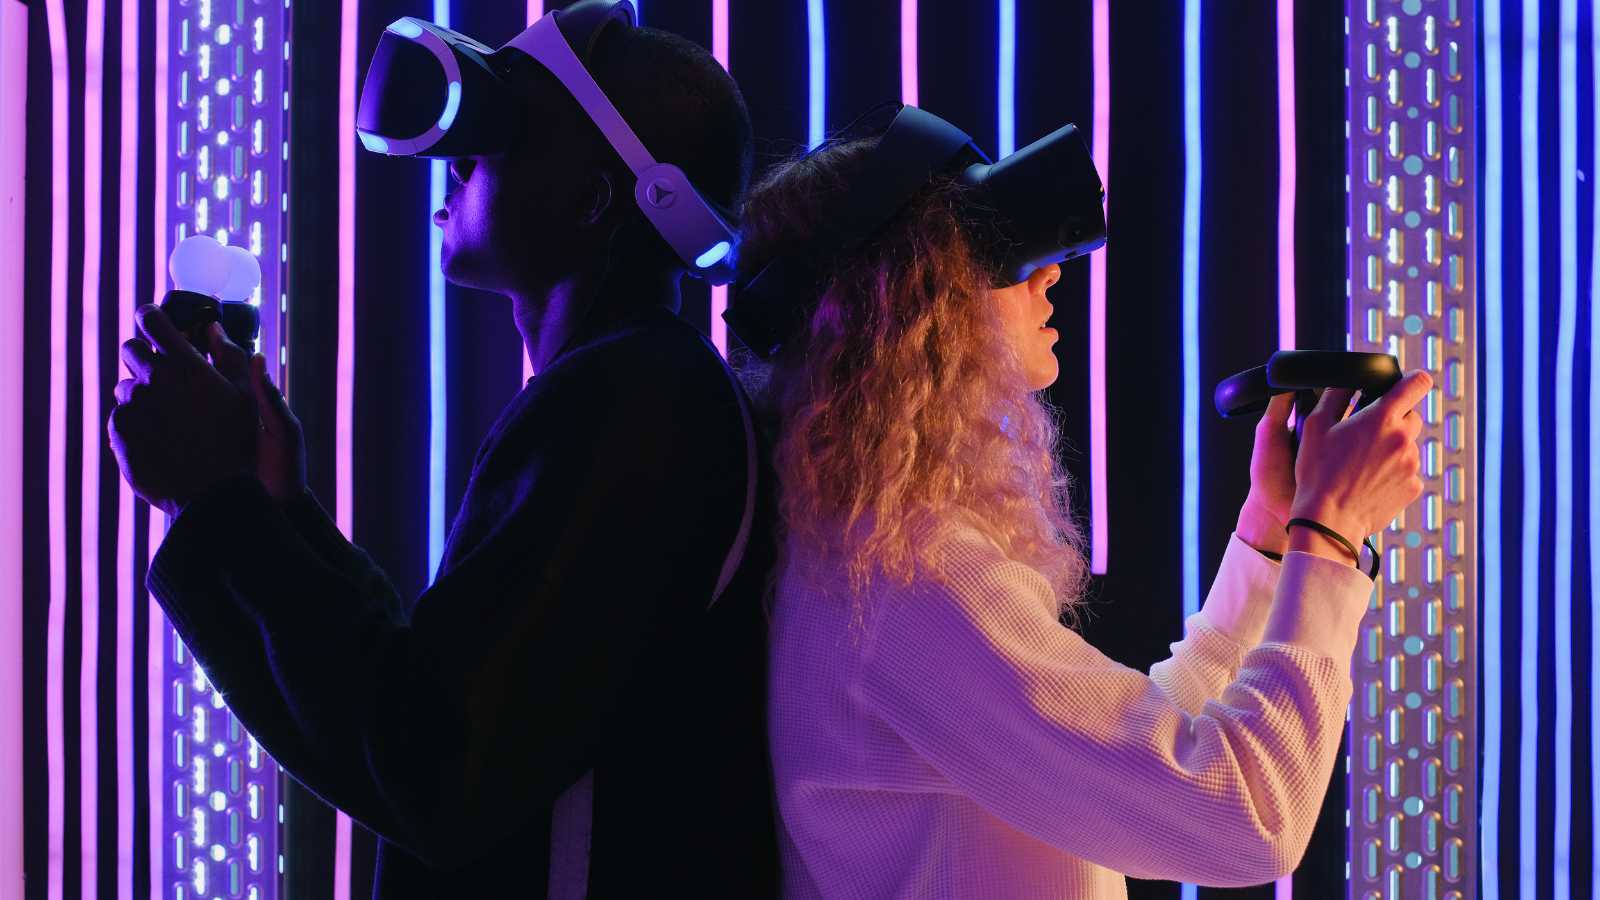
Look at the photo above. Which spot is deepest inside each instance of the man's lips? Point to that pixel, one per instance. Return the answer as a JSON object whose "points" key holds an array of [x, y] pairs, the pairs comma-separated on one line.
{"points": [[441, 216]]}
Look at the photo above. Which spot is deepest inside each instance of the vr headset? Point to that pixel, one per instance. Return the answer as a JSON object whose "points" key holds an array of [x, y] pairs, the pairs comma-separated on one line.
{"points": [[436, 93], [1043, 205]]}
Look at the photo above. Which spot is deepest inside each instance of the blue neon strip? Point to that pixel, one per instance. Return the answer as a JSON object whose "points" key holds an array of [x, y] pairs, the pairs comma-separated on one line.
{"points": [[1191, 322], [1193, 172], [438, 402], [1594, 466], [817, 66], [1565, 334], [1008, 77], [1532, 441], [1493, 336]]}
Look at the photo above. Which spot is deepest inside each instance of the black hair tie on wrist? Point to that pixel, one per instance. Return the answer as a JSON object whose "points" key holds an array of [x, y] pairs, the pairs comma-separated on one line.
{"points": [[1354, 553]]}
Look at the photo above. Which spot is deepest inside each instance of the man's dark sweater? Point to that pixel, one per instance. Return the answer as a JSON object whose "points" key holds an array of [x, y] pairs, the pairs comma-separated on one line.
{"points": [[567, 632]]}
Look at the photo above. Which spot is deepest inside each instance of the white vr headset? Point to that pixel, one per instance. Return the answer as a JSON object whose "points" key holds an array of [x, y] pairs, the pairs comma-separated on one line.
{"points": [[436, 93]]}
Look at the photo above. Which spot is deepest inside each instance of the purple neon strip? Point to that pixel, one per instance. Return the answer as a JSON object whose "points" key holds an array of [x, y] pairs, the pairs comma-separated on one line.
{"points": [[127, 231], [719, 292], [55, 633], [1284, 888], [908, 52], [535, 13], [1100, 520], [13, 149], [345, 382], [156, 630]]}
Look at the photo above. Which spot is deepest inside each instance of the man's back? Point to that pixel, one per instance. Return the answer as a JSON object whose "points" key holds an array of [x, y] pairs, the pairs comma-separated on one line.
{"points": [[563, 684]]}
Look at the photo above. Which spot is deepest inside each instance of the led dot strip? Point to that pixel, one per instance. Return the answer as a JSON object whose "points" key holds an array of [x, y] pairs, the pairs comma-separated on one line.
{"points": [[1413, 734], [227, 120]]}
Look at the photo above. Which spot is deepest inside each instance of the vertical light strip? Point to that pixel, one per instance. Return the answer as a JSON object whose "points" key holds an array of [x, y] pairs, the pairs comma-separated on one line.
{"points": [[156, 626], [438, 352], [55, 634], [1284, 888], [816, 75], [535, 13], [1191, 306], [1287, 175], [89, 448], [1493, 442], [344, 388], [719, 292], [1594, 456], [127, 246], [1567, 324], [1006, 102], [908, 52], [13, 195], [1099, 483], [1191, 322], [1532, 443]]}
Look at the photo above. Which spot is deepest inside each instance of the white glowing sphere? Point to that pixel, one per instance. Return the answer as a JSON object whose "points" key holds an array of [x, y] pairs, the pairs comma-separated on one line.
{"points": [[200, 264], [243, 275]]}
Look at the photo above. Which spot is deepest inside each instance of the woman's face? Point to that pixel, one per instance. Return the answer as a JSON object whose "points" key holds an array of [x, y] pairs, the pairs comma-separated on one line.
{"points": [[1024, 312]]}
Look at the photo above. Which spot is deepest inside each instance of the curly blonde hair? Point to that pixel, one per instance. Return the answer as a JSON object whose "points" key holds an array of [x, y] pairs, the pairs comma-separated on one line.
{"points": [[902, 405]]}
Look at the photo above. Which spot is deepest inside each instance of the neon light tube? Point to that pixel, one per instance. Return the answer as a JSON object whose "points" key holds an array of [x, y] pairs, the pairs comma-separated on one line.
{"points": [[1528, 763], [13, 159], [344, 387], [816, 74], [1192, 140], [908, 52], [1284, 887], [55, 639], [89, 525], [1006, 103], [1099, 504], [535, 13], [1493, 337], [128, 217], [1594, 489], [719, 292], [438, 350], [156, 625], [1566, 329]]}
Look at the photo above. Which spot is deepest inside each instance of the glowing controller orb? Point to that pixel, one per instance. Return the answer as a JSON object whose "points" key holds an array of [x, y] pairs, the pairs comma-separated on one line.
{"points": [[202, 265]]}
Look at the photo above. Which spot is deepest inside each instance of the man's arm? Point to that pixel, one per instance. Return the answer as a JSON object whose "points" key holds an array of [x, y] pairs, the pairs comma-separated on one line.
{"points": [[442, 732]]}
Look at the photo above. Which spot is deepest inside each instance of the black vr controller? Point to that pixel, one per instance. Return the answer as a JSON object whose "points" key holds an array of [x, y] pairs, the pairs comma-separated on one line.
{"points": [[193, 313], [1304, 372]]}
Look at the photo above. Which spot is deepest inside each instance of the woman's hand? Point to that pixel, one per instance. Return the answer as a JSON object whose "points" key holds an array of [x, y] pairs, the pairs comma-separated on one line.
{"points": [[1356, 474], [280, 442], [1266, 509]]}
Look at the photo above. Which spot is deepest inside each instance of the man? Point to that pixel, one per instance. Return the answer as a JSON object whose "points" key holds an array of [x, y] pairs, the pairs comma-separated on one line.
{"points": [[565, 711]]}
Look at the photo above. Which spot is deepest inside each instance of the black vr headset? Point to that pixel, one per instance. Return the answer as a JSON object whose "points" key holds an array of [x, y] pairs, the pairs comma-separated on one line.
{"points": [[433, 92], [1043, 203]]}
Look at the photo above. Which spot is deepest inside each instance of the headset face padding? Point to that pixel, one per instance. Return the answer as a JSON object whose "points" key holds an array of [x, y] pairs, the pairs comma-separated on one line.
{"points": [[433, 92]]}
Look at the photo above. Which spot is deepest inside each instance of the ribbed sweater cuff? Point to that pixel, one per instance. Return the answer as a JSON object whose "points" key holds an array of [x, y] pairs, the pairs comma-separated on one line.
{"points": [[1319, 605]]}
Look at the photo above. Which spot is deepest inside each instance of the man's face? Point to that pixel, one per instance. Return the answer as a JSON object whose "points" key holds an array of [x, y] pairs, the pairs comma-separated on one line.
{"points": [[517, 219]]}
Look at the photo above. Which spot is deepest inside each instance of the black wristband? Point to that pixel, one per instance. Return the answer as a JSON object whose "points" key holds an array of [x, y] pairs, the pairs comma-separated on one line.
{"points": [[1354, 553]]}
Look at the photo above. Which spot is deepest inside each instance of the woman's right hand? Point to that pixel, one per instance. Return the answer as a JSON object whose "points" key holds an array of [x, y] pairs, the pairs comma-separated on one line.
{"points": [[1354, 474]]}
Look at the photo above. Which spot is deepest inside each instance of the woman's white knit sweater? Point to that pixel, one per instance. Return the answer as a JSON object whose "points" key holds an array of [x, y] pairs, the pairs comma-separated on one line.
{"points": [[960, 742]]}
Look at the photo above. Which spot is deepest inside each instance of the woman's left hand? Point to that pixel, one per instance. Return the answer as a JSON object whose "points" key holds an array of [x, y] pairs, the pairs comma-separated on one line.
{"points": [[1266, 509]]}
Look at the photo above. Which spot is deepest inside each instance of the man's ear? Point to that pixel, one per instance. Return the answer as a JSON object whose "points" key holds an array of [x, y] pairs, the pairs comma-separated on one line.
{"points": [[599, 197]]}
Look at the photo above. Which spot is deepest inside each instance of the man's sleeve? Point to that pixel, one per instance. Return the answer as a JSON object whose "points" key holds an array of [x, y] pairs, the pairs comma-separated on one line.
{"points": [[442, 732]]}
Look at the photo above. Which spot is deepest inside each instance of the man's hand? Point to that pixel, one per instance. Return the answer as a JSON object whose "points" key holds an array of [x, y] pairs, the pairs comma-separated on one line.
{"points": [[1266, 509], [180, 427], [280, 444]]}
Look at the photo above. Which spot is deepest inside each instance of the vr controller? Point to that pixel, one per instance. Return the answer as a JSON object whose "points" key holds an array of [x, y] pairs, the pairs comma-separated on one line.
{"points": [[210, 284], [1304, 372]]}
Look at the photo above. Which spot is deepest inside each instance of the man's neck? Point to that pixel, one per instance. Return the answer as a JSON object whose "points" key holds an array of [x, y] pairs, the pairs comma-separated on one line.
{"points": [[550, 318]]}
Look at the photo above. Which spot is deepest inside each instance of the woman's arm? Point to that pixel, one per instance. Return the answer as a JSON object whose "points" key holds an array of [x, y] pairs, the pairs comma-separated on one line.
{"points": [[1045, 732]]}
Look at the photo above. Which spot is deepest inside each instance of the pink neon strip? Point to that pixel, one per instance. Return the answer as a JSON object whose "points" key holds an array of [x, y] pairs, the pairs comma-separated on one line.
{"points": [[55, 635], [344, 412], [94, 64], [1099, 518], [128, 215], [1286, 175], [908, 52], [13, 152], [1284, 887], [535, 13], [719, 293], [156, 628]]}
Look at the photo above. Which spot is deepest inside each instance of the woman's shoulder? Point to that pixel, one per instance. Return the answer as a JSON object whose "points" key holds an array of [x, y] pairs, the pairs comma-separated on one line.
{"points": [[967, 568]]}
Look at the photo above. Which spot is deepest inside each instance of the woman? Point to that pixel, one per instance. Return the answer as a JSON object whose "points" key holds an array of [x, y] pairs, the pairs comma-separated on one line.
{"points": [[936, 731]]}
